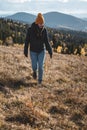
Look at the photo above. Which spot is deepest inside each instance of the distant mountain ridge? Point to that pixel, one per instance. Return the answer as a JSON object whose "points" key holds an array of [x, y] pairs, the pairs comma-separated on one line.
{"points": [[85, 19], [53, 20], [23, 17]]}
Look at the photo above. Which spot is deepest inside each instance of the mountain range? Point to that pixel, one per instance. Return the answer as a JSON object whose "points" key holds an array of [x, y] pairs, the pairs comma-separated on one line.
{"points": [[85, 19], [53, 20]]}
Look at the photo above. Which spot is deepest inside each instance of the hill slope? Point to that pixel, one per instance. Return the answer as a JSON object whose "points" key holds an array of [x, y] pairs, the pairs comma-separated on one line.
{"points": [[23, 17], [85, 19], [59, 103], [54, 20], [60, 20]]}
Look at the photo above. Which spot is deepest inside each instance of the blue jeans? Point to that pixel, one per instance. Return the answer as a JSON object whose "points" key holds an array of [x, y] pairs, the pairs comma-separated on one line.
{"points": [[37, 60]]}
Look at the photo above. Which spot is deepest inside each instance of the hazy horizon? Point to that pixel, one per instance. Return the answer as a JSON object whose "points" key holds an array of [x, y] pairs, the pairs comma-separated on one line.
{"points": [[79, 8]]}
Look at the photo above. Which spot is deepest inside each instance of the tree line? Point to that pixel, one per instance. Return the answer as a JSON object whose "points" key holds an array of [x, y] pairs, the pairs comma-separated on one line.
{"points": [[63, 41]]}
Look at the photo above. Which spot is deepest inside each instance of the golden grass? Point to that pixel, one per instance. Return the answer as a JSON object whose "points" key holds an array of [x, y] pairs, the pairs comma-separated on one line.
{"points": [[60, 103]]}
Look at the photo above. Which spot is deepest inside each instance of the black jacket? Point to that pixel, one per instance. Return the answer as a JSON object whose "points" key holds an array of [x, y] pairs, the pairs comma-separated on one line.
{"points": [[38, 40]]}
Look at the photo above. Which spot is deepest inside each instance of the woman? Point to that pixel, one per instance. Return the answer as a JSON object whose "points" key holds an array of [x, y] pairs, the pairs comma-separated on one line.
{"points": [[38, 40]]}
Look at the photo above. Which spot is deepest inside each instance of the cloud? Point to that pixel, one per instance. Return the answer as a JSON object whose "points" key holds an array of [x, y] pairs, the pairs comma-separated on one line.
{"points": [[65, 1], [5, 13], [44, 6], [62, 1], [83, 0], [18, 1]]}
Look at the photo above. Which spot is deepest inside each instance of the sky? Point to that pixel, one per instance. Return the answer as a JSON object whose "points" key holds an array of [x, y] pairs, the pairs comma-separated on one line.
{"points": [[76, 8]]}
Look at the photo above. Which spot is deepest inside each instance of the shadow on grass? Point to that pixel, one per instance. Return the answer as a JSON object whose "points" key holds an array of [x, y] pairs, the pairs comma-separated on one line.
{"points": [[59, 92], [22, 118], [77, 119], [4, 89], [85, 109], [56, 110], [15, 84]]}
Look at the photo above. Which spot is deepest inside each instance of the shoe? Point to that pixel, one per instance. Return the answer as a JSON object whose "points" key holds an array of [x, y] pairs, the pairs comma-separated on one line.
{"points": [[39, 82], [34, 75]]}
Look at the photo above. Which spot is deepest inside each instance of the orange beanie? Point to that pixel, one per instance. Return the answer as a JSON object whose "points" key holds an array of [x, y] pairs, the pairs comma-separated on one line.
{"points": [[39, 19]]}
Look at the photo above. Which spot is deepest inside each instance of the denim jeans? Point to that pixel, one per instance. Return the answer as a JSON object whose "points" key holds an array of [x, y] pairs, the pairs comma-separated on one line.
{"points": [[37, 61]]}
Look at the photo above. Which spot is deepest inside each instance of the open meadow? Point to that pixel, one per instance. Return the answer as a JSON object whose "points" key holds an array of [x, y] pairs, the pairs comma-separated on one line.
{"points": [[60, 103]]}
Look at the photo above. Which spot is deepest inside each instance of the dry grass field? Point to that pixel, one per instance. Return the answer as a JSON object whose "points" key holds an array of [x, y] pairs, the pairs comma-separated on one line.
{"points": [[60, 103]]}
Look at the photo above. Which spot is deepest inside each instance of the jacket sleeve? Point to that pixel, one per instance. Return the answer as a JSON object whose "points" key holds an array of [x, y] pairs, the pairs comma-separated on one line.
{"points": [[26, 44], [47, 44]]}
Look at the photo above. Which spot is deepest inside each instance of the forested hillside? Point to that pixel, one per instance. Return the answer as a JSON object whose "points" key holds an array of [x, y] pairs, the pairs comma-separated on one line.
{"points": [[63, 41], [13, 29]]}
